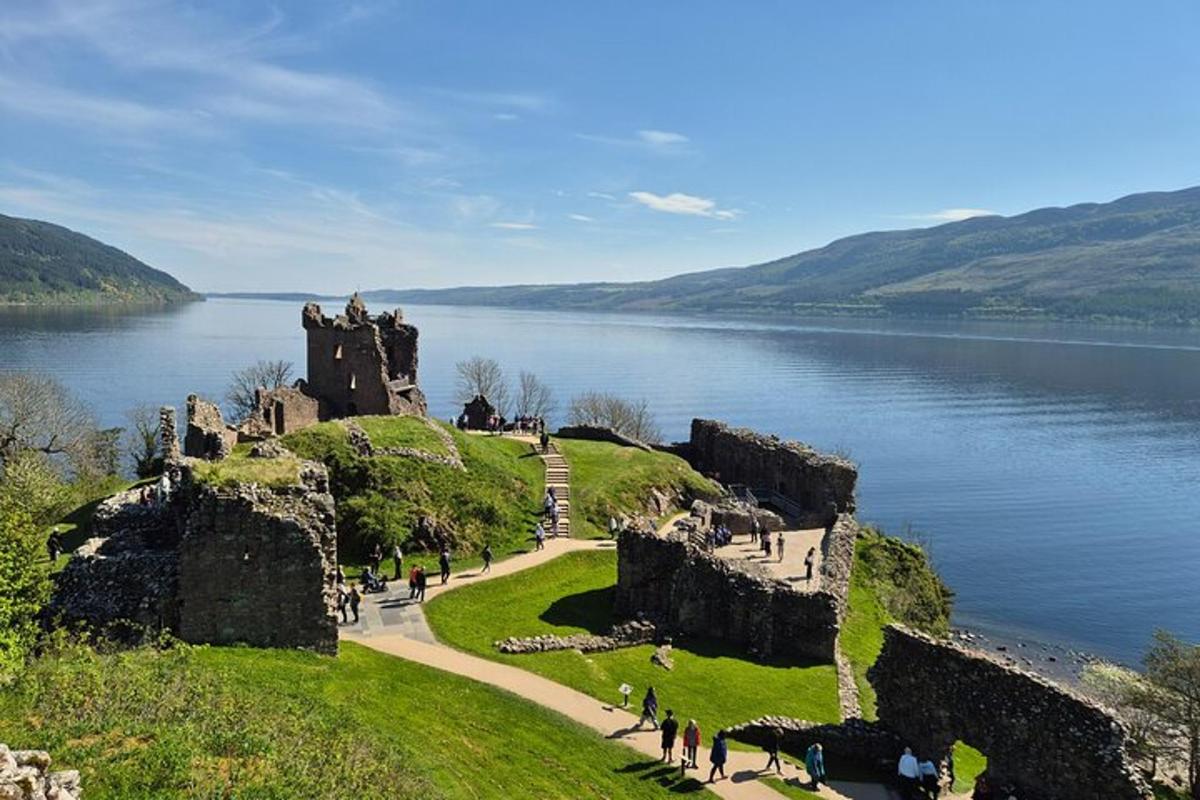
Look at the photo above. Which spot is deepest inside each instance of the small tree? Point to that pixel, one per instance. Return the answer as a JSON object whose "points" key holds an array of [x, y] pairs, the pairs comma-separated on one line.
{"points": [[482, 376], [246, 382], [601, 409], [1173, 667], [24, 584], [143, 440], [39, 414], [534, 398], [1135, 700]]}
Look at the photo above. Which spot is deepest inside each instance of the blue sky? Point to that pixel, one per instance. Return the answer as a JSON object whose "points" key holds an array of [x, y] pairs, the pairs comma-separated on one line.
{"points": [[338, 145]]}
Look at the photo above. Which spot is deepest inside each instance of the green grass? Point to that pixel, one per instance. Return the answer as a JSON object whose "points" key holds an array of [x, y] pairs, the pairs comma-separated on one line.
{"points": [[610, 480], [413, 432], [861, 638], [573, 593], [379, 500], [240, 468], [968, 764], [265, 724], [788, 788]]}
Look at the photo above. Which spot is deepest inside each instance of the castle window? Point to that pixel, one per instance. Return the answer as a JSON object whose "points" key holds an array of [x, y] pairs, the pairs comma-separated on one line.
{"points": [[337, 353], [353, 382]]}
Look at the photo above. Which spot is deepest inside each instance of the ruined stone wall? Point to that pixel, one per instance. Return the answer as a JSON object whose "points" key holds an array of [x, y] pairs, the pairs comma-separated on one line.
{"points": [[278, 412], [258, 566], [819, 483], [598, 433], [854, 746], [687, 590], [207, 435], [1052, 743], [359, 365]]}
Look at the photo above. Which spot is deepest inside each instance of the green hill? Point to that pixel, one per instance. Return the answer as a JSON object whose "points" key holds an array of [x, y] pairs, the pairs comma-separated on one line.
{"points": [[1135, 258], [43, 263]]}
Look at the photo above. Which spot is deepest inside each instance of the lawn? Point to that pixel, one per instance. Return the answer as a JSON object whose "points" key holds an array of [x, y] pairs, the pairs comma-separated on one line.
{"points": [[243, 723], [379, 500], [412, 432], [789, 787], [239, 468], [573, 593], [610, 480]]}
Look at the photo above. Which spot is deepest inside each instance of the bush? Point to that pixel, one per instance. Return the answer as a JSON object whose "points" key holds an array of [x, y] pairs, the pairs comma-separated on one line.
{"points": [[24, 585], [905, 582]]}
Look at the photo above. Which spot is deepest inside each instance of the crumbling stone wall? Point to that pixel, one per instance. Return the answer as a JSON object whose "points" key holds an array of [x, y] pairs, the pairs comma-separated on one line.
{"points": [[854, 745], [258, 566], [687, 590], [358, 364], [207, 436], [26, 775], [477, 412], [168, 435], [278, 412], [820, 484], [1052, 743]]}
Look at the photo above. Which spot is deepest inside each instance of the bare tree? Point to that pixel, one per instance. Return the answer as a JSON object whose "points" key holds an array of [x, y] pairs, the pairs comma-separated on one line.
{"points": [[1173, 667], [245, 382], [39, 414], [482, 376], [1136, 701], [143, 440], [632, 419], [534, 398]]}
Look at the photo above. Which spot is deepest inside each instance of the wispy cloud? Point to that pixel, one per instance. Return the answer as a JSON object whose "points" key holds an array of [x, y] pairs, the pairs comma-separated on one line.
{"points": [[601, 195], [514, 226], [647, 140], [951, 214], [581, 217], [686, 204], [662, 138]]}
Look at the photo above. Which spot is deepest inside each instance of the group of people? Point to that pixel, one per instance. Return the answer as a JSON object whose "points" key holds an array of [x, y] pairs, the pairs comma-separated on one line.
{"points": [[348, 598], [530, 425], [920, 777], [814, 760], [550, 511]]}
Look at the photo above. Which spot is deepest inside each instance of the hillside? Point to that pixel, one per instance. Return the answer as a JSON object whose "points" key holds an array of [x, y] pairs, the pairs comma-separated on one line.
{"points": [[1135, 258], [42, 263]]}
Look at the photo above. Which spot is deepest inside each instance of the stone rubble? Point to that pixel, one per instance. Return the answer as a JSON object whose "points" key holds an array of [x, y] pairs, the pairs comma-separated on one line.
{"points": [[26, 775], [627, 634]]}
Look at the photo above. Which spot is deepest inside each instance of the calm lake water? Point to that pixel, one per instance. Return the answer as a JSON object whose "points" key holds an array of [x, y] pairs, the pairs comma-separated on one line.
{"points": [[1053, 470]]}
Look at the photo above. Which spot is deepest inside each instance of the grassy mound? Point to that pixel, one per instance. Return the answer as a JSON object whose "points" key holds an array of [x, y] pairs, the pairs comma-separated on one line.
{"points": [[242, 723], [379, 499], [610, 480], [573, 593], [239, 468], [393, 432]]}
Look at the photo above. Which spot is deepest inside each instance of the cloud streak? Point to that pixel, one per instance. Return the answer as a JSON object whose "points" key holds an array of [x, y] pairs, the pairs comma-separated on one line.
{"points": [[684, 204], [951, 214]]}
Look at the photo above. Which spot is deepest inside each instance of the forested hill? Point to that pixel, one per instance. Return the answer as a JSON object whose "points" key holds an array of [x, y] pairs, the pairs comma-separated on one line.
{"points": [[1136, 258], [42, 263]]}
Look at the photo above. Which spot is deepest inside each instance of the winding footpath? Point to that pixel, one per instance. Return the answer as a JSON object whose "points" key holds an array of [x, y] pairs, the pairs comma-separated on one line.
{"points": [[394, 626]]}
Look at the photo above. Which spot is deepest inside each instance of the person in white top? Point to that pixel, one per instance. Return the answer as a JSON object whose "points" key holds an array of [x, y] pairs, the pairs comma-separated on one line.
{"points": [[910, 774]]}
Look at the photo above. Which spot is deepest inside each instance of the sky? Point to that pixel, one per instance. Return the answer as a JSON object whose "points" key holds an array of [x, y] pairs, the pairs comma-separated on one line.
{"points": [[331, 146]]}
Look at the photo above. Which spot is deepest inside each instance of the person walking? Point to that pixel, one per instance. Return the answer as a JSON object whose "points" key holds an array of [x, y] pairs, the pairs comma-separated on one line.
{"points": [[376, 559], [779, 547], [539, 537], [554, 521], [355, 599], [421, 583], [809, 559], [444, 564], [412, 582], [612, 527], [544, 441], [908, 770], [931, 781], [487, 558], [343, 601], [718, 756], [54, 546], [670, 727], [398, 558], [766, 545], [691, 743], [649, 708], [754, 523], [814, 765], [773, 744]]}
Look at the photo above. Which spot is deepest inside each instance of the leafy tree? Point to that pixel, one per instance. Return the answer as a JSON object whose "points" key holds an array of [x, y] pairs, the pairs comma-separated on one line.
{"points": [[37, 413], [601, 409], [534, 398], [143, 440], [482, 376], [32, 486], [1173, 667], [246, 382], [24, 584], [1136, 701]]}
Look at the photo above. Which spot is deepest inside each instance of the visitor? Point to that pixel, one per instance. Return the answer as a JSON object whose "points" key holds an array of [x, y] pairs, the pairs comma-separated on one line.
{"points": [[809, 560], [814, 765], [754, 529], [774, 743], [930, 779], [718, 756], [548, 501], [444, 564], [766, 545], [355, 599], [487, 558], [909, 772], [691, 743], [54, 546], [670, 727], [625, 689], [422, 580], [544, 440], [398, 558], [412, 582], [539, 537], [554, 522], [779, 547], [649, 708], [376, 558], [343, 600], [983, 788], [341, 576], [612, 527]]}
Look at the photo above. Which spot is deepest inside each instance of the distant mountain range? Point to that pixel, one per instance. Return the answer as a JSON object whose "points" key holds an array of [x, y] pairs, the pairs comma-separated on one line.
{"points": [[42, 263], [1136, 258]]}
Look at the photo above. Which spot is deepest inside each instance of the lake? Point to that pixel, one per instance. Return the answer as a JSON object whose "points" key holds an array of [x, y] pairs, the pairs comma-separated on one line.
{"points": [[1053, 470]]}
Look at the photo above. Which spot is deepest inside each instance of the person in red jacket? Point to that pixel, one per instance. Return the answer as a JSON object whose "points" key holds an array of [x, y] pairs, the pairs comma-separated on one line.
{"points": [[691, 740]]}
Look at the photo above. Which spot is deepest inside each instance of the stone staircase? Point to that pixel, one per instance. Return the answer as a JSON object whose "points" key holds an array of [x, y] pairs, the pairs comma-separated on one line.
{"points": [[558, 476]]}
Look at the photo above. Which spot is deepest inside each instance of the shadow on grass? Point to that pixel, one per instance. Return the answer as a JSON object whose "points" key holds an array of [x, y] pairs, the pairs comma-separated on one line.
{"points": [[590, 610], [665, 775]]}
